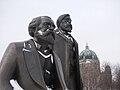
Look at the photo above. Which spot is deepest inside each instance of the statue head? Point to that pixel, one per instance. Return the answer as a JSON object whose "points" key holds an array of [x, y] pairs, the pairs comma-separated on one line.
{"points": [[41, 29], [64, 23]]}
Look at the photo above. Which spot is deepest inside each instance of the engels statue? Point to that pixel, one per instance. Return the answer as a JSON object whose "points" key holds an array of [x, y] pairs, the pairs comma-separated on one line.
{"points": [[66, 48]]}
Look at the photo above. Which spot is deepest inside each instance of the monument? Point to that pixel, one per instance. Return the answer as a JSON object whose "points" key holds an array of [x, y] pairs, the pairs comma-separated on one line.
{"points": [[33, 63], [66, 48]]}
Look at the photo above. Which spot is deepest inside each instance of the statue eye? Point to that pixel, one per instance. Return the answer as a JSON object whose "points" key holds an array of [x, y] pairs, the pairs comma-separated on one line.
{"points": [[47, 25], [67, 20]]}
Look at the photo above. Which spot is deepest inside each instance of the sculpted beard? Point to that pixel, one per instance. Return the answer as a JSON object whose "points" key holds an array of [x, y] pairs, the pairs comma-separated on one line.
{"points": [[47, 37], [67, 27]]}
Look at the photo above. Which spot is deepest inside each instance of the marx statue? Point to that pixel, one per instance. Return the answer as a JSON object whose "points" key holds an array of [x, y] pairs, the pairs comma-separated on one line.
{"points": [[33, 63]]}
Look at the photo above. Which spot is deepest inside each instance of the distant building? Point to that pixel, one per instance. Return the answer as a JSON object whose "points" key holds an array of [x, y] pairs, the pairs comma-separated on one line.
{"points": [[93, 78], [105, 82]]}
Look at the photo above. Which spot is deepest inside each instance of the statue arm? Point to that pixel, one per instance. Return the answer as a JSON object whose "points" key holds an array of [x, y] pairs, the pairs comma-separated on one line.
{"points": [[7, 67], [79, 79]]}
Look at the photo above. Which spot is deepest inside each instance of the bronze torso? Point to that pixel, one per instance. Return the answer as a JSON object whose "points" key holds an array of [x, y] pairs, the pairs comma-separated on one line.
{"points": [[23, 64], [67, 50]]}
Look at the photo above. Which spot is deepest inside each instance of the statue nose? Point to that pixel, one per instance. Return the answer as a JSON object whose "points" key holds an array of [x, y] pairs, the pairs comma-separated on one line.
{"points": [[69, 22], [52, 28]]}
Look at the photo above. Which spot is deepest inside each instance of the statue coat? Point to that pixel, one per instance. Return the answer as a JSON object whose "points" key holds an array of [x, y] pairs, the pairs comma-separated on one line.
{"points": [[21, 62], [67, 51]]}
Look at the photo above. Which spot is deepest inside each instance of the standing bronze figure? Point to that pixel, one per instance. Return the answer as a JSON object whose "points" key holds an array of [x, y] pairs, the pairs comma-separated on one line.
{"points": [[33, 63], [66, 48]]}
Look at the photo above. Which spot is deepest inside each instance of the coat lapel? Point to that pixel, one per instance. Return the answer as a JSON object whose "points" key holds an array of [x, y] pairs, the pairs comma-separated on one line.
{"points": [[64, 37], [59, 71], [33, 63]]}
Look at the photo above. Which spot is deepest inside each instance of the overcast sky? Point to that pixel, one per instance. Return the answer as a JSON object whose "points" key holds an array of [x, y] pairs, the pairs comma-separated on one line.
{"points": [[94, 21]]}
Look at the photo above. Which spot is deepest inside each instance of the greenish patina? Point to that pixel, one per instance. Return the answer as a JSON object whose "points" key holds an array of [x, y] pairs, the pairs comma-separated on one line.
{"points": [[88, 54]]}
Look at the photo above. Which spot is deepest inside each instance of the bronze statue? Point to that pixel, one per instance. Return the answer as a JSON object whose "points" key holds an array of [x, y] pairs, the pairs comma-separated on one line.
{"points": [[66, 48], [33, 63]]}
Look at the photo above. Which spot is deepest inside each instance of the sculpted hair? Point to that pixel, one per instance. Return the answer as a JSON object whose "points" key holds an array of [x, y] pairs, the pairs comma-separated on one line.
{"points": [[34, 23], [60, 18]]}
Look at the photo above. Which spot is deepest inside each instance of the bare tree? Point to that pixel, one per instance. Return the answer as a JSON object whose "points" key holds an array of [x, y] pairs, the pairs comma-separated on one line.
{"points": [[116, 81], [106, 77]]}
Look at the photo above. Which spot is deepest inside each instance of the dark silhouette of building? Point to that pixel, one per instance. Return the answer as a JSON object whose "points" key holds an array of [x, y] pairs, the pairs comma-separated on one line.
{"points": [[105, 82]]}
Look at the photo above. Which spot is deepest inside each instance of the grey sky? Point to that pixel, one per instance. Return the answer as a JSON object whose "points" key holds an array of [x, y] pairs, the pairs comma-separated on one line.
{"points": [[94, 21]]}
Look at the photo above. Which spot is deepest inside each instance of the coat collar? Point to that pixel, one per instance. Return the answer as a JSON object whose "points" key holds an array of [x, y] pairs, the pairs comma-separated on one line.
{"points": [[68, 38], [33, 63]]}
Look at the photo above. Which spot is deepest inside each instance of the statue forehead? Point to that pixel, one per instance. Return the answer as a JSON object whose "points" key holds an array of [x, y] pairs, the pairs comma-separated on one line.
{"points": [[67, 17], [46, 19]]}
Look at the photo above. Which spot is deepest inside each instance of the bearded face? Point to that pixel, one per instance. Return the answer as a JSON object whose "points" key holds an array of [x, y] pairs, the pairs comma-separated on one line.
{"points": [[46, 38], [44, 34], [66, 24]]}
